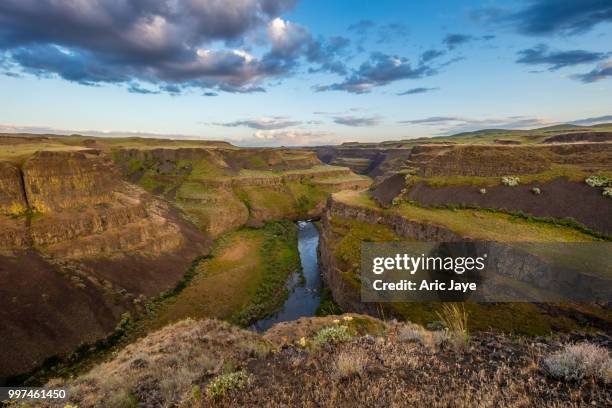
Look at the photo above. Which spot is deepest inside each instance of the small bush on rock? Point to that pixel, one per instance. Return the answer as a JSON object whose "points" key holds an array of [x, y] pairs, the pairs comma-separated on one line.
{"points": [[577, 361], [510, 181], [536, 191], [222, 384], [332, 334], [483, 191], [598, 181], [607, 192]]}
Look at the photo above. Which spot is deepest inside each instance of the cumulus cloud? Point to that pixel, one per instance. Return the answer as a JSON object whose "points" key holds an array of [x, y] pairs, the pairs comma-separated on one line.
{"points": [[452, 41], [599, 73], [415, 91], [148, 41], [380, 69], [288, 137], [549, 17], [326, 53], [357, 121], [542, 55], [264, 123]]}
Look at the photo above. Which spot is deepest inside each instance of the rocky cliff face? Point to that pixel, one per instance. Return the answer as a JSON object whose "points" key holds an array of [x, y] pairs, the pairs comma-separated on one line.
{"points": [[515, 273], [56, 181], [12, 198], [223, 189], [78, 247], [445, 159]]}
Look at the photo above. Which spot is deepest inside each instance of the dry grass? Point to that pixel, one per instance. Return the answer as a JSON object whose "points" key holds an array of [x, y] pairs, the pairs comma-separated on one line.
{"points": [[209, 363], [410, 332], [455, 319], [577, 361], [163, 368], [349, 364]]}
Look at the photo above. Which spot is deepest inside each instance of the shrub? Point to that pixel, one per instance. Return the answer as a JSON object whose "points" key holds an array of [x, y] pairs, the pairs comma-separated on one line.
{"points": [[536, 191], [349, 364], [576, 361], [455, 319], [332, 334], [224, 383], [510, 181], [598, 181], [607, 192], [483, 191]]}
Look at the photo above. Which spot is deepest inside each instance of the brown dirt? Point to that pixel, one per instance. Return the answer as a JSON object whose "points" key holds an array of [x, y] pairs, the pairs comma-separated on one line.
{"points": [[560, 198], [388, 189], [393, 370]]}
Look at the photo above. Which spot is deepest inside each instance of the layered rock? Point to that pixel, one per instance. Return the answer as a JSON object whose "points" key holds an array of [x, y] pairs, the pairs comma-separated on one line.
{"points": [[12, 196], [450, 159], [517, 272], [56, 181], [223, 189], [86, 247]]}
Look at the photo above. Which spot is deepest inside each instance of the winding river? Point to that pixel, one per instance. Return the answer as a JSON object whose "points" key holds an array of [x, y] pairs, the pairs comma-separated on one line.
{"points": [[304, 296]]}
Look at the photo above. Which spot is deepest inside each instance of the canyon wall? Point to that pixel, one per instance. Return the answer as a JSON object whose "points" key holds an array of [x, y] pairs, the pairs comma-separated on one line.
{"points": [[526, 274], [445, 159], [78, 247], [223, 189]]}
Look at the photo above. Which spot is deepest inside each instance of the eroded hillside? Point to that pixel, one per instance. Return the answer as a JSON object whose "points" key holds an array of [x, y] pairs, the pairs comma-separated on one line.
{"points": [[547, 185], [222, 189], [338, 360], [78, 247]]}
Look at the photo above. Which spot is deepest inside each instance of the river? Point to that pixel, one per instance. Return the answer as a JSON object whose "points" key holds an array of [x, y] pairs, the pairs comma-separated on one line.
{"points": [[304, 296]]}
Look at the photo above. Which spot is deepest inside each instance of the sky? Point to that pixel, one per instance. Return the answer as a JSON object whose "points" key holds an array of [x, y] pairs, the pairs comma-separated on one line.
{"points": [[310, 72]]}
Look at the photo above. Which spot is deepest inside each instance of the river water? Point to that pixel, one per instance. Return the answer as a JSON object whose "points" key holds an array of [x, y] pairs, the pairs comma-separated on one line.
{"points": [[304, 298]]}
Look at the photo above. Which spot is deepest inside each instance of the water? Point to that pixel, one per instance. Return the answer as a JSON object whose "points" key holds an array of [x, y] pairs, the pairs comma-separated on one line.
{"points": [[303, 299]]}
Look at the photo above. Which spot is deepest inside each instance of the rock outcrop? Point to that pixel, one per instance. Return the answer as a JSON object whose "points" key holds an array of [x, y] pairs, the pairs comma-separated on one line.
{"points": [[520, 273], [12, 196], [223, 189], [78, 247], [482, 160]]}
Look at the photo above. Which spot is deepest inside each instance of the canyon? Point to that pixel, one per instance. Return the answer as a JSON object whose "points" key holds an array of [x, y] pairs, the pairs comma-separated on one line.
{"points": [[93, 230]]}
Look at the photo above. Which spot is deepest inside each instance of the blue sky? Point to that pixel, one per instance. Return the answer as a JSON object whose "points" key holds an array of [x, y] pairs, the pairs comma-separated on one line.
{"points": [[285, 72]]}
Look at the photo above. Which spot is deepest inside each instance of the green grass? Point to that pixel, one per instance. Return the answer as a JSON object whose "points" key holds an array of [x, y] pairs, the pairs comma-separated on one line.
{"points": [[476, 224], [280, 258], [243, 281], [523, 318], [327, 306]]}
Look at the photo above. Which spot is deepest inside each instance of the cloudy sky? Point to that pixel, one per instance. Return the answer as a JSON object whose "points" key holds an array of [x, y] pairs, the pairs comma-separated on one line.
{"points": [[288, 72]]}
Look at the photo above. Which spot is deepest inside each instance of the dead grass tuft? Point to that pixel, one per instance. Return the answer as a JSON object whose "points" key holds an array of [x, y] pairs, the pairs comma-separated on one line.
{"points": [[577, 361], [349, 364], [455, 319]]}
